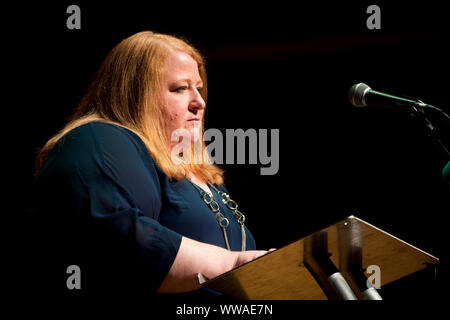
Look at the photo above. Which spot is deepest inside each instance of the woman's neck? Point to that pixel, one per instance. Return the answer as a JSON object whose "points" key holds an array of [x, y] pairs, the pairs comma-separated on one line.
{"points": [[199, 181]]}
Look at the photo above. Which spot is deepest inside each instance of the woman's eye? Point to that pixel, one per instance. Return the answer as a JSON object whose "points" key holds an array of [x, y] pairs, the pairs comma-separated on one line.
{"points": [[180, 89], [184, 88]]}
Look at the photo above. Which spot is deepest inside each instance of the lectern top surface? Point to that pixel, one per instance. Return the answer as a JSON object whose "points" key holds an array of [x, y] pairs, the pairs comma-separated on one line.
{"points": [[282, 274]]}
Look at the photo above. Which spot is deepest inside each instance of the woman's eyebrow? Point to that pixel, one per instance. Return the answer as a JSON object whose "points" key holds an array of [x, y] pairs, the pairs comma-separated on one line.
{"points": [[199, 82]]}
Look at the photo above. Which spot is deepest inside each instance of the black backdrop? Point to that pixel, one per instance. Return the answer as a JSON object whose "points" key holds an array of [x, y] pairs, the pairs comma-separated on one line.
{"points": [[270, 65]]}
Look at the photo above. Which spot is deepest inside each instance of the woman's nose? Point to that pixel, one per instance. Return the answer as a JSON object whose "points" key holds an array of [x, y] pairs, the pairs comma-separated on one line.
{"points": [[197, 102]]}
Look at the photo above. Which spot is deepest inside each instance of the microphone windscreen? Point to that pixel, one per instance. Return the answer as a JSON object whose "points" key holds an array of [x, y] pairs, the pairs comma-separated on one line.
{"points": [[356, 94]]}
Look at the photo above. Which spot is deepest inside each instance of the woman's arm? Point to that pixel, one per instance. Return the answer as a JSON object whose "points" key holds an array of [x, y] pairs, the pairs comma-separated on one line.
{"points": [[195, 257]]}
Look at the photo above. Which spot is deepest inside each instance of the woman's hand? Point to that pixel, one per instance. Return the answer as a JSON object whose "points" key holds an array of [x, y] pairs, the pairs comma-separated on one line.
{"points": [[196, 257], [247, 256]]}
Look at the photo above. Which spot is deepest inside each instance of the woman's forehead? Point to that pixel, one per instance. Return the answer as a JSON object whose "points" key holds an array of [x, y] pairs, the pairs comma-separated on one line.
{"points": [[182, 65]]}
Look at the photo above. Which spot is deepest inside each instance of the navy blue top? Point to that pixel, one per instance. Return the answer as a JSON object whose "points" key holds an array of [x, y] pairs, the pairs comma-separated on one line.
{"points": [[114, 212]]}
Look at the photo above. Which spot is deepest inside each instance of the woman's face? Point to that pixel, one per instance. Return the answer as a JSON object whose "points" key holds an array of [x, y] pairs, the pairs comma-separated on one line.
{"points": [[182, 87]]}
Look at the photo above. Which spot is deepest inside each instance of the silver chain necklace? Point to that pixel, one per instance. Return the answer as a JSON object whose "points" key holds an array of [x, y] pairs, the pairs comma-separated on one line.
{"points": [[208, 198]]}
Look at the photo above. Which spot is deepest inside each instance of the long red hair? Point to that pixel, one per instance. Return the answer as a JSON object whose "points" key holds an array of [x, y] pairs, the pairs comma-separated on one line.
{"points": [[126, 91]]}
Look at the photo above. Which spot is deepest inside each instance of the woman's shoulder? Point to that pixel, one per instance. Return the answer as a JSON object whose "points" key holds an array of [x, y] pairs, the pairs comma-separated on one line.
{"points": [[101, 140], [102, 129], [101, 134]]}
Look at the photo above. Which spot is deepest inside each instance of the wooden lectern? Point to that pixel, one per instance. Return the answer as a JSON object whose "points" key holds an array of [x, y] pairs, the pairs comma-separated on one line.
{"points": [[332, 263]]}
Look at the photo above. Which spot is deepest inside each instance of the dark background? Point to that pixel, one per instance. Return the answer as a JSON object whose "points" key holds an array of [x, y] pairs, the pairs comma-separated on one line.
{"points": [[271, 65]]}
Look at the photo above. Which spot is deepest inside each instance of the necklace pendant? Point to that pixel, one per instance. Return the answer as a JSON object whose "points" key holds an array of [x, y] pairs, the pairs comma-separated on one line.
{"points": [[223, 222]]}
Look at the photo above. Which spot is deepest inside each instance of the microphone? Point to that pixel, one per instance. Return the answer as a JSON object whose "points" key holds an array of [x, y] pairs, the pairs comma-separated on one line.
{"points": [[361, 95]]}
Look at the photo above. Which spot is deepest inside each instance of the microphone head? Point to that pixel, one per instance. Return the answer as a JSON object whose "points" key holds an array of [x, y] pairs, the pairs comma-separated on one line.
{"points": [[356, 94]]}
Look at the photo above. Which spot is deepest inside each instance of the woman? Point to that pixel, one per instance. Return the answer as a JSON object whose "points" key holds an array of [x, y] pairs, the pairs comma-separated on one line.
{"points": [[109, 183]]}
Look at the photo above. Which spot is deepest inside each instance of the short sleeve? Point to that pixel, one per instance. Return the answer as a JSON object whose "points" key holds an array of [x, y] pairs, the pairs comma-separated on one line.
{"points": [[99, 193]]}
